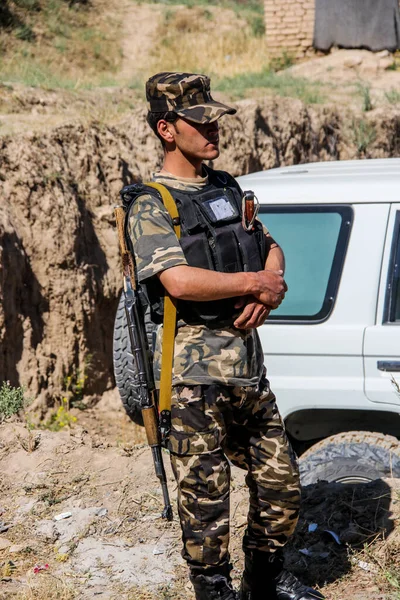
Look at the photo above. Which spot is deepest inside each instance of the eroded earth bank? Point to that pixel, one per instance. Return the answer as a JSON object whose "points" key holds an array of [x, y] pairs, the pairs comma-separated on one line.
{"points": [[60, 275]]}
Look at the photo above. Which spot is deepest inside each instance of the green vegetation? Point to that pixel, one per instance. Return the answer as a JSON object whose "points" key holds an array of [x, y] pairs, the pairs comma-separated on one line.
{"points": [[392, 577], [364, 134], [393, 67], [254, 6], [72, 397], [60, 419], [251, 10], [283, 85], [11, 400], [74, 386], [56, 43], [393, 96], [279, 63], [67, 44], [365, 91]]}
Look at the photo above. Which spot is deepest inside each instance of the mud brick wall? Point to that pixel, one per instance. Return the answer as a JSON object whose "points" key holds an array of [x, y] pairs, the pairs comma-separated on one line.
{"points": [[289, 26]]}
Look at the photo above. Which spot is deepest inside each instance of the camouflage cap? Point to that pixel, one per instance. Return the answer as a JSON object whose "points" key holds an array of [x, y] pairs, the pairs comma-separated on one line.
{"points": [[186, 94]]}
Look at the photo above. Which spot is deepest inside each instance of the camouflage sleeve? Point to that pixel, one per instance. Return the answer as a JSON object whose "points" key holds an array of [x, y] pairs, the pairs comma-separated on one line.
{"points": [[155, 244]]}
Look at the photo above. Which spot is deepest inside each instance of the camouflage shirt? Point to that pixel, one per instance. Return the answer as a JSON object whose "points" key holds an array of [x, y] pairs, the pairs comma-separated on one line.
{"points": [[202, 355]]}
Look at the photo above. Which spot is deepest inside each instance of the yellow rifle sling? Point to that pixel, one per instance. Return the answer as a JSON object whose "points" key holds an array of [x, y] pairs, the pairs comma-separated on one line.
{"points": [[169, 322]]}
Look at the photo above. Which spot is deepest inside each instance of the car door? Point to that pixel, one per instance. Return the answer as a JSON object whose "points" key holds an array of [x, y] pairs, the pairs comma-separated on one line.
{"points": [[313, 344], [382, 340]]}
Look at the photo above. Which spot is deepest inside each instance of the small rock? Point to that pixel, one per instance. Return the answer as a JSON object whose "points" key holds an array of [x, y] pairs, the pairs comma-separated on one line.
{"points": [[17, 548], [383, 54], [101, 512], [4, 543], [241, 521], [353, 62], [46, 530]]}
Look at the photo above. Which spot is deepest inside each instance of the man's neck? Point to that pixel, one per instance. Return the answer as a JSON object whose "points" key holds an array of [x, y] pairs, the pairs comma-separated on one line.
{"points": [[181, 167]]}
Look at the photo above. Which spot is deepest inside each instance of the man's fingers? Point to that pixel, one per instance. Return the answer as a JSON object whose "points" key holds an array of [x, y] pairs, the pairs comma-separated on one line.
{"points": [[259, 320], [273, 271], [245, 315], [255, 319]]}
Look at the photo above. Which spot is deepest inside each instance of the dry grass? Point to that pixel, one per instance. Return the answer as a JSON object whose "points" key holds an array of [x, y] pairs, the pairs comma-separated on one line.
{"points": [[70, 45], [213, 40], [75, 46], [49, 587]]}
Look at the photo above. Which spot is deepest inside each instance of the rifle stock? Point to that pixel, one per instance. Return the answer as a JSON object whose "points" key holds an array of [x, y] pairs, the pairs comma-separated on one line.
{"points": [[141, 356]]}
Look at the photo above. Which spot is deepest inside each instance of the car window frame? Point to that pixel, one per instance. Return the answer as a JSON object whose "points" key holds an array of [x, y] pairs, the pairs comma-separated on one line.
{"points": [[347, 213], [392, 274]]}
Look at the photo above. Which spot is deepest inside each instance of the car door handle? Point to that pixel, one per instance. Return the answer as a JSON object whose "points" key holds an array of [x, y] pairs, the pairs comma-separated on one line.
{"points": [[387, 365]]}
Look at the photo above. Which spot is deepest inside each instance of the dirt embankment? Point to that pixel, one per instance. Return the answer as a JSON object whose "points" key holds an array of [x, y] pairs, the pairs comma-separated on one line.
{"points": [[60, 275]]}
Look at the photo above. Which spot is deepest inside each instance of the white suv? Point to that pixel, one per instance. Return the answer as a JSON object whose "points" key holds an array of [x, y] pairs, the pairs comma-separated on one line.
{"points": [[332, 349]]}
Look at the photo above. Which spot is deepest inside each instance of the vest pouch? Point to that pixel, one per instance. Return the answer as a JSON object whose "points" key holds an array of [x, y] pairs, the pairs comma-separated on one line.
{"points": [[249, 248], [227, 251], [197, 251]]}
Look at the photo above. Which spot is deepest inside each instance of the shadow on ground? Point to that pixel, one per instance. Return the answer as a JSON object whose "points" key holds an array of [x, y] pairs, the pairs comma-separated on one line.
{"points": [[355, 515]]}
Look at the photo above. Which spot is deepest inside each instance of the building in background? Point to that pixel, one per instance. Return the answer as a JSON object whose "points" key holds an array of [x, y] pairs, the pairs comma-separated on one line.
{"points": [[296, 27]]}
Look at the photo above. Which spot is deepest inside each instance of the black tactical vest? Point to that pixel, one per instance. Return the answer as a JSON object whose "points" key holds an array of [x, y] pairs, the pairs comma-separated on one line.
{"points": [[213, 238]]}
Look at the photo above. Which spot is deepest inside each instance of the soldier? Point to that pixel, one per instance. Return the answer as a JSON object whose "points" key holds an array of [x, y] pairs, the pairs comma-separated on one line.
{"points": [[222, 406]]}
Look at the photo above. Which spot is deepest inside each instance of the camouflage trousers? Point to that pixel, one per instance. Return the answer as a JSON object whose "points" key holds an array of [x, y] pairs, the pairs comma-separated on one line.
{"points": [[215, 424]]}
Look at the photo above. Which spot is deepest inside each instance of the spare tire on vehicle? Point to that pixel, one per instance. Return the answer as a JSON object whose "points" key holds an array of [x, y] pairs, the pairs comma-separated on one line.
{"points": [[125, 371], [351, 457]]}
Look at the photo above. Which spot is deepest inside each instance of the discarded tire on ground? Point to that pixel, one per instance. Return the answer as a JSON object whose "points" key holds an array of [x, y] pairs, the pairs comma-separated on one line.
{"points": [[351, 457]]}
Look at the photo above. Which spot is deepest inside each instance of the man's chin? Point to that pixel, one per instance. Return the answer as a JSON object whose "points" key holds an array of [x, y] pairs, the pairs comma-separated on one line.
{"points": [[211, 153]]}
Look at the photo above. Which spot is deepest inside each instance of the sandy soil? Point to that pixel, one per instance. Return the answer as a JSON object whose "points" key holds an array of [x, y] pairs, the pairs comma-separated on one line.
{"points": [[140, 22]]}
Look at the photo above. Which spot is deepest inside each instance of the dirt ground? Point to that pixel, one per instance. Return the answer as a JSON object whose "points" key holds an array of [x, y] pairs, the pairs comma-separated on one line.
{"points": [[112, 542], [346, 75]]}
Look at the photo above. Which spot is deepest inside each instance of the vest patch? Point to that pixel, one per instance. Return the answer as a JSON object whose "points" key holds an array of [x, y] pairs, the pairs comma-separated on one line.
{"points": [[220, 209]]}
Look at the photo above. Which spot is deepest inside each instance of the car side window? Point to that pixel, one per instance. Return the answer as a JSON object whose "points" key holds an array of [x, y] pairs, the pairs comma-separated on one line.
{"points": [[392, 304], [314, 240]]}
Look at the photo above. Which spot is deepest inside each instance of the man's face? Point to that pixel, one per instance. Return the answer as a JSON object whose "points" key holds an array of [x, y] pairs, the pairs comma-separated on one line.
{"points": [[197, 141]]}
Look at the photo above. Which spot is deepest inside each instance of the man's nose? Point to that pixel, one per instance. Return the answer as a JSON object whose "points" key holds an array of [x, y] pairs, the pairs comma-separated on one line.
{"points": [[213, 127]]}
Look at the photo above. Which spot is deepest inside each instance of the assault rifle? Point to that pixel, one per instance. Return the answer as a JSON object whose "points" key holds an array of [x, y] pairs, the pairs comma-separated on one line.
{"points": [[141, 356]]}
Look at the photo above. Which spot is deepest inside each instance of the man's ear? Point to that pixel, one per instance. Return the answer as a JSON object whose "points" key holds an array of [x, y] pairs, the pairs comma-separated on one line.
{"points": [[166, 131]]}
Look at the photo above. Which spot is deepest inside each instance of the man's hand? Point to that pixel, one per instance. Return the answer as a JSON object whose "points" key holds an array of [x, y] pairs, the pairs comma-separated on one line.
{"points": [[273, 288], [253, 314]]}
